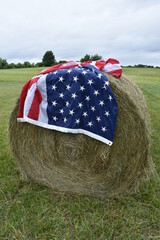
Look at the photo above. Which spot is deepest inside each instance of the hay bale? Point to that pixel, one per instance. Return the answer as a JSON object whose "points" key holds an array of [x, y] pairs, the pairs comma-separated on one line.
{"points": [[78, 164]]}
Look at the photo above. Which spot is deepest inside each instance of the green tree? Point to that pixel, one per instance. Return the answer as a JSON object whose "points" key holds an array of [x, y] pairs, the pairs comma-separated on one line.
{"points": [[86, 58], [19, 65], [26, 64], [4, 64], [0, 62], [96, 57], [48, 59], [39, 64]]}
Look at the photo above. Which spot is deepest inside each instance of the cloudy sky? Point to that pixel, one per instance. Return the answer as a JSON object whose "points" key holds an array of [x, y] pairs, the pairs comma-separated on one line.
{"points": [[123, 29]]}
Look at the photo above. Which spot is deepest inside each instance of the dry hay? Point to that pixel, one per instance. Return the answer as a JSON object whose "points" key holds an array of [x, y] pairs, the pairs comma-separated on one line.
{"points": [[78, 164]]}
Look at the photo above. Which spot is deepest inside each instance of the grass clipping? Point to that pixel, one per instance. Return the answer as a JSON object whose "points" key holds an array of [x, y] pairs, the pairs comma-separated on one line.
{"points": [[78, 164]]}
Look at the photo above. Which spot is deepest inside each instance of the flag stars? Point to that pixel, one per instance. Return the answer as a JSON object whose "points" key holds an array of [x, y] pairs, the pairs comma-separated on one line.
{"points": [[71, 112], [106, 83], [101, 103], [55, 118], [85, 114], [77, 121], [61, 79], [104, 129], [68, 87], [104, 87], [54, 87], [84, 72], [93, 108], [90, 124], [80, 105], [69, 71], [55, 72], [82, 88], [99, 75], [61, 95], [75, 79], [98, 119], [87, 98], [74, 95], [90, 82], [65, 120], [61, 111], [107, 113], [96, 92], [110, 98], [54, 103], [67, 103]]}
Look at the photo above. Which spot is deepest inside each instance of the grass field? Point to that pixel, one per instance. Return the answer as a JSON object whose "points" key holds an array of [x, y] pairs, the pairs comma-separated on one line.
{"points": [[28, 211]]}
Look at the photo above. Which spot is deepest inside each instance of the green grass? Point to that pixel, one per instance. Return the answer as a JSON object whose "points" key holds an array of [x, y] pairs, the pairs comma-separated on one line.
{"points": [[28, 211]]}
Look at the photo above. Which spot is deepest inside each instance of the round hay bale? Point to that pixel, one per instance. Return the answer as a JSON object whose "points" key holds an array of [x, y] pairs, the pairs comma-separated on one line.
{"points": [[78, 164]]}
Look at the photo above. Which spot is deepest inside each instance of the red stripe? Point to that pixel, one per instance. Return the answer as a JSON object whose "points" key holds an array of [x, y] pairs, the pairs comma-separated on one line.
{"points": [[100, 64], [35, 106], [86, 63], [23, 98], [112, 61], [116, 73]]}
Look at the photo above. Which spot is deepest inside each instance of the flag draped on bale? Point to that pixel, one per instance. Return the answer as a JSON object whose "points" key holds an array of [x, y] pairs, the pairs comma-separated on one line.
{"points": [[73, 98]]}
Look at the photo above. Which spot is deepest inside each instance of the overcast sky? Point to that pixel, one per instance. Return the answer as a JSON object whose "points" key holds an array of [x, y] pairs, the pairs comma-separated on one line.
{"points": [[123, 29]]}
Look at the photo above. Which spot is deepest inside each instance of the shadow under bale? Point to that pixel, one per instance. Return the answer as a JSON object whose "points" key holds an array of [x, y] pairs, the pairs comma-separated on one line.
{"points": [[78, 164]]}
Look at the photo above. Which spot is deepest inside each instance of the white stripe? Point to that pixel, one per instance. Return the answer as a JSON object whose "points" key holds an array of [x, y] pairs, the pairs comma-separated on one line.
{"points": [[67, 130], [29, 99], [41, 84], [111, 67]]}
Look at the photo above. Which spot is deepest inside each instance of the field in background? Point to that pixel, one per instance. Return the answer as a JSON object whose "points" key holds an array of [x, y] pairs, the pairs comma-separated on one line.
{"points": [[28, 211]]}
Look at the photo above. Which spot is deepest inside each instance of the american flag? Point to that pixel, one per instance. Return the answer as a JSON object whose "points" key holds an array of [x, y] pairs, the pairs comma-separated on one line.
{"points": [[75, 99]]}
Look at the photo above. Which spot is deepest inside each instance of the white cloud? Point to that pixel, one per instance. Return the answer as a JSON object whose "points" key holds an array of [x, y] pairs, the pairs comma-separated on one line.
{"points": [[124, 29]]}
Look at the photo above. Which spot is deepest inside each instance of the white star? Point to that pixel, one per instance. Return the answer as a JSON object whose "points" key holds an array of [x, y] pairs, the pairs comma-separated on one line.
{"points": [[69, 71], [101, 103], [71, 112], [110, 97], [107, 83], [55, 72], [98, 119], [107, 113], [93, 108], [54, 87], [90, 82], [75, 78], [65, 120], [77, 121], [99, 75], [61, 95], [104, 129], [87, 98], [68, 87], [80, 105], [90, 124], [55, 118], [61, 79], [67, 103], [96, 92], [104, 87], [84, 114], [61, 111], [82, 88], [74, 95], [84, 72], [54, 103]]}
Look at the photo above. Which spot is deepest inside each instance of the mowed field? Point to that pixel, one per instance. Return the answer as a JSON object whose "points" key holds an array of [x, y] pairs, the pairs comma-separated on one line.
{"points": [[28, 211]]}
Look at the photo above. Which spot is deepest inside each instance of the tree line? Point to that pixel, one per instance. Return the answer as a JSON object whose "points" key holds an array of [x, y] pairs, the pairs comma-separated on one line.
{"points": [[47, 60], [50, 60]]}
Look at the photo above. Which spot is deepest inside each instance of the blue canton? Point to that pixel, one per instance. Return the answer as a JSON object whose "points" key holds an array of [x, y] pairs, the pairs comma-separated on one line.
{"points": [[82, 100]]}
